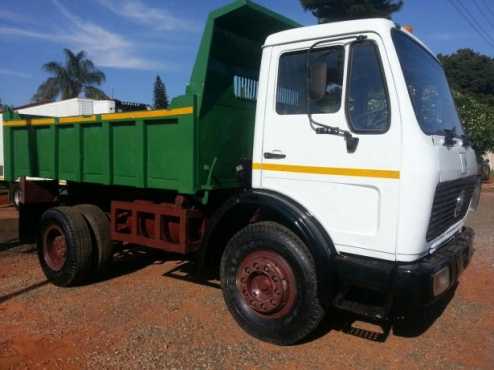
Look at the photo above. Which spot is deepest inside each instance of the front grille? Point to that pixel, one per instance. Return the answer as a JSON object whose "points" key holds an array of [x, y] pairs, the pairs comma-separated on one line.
{"points": [[450, 205]]}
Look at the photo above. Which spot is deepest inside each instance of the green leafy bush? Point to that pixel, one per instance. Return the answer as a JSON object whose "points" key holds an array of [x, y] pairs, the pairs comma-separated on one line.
{"points": [[478, 119]]}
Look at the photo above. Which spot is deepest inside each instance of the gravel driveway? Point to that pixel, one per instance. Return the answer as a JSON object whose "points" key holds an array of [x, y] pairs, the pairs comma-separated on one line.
{"points": [[148, 314]]}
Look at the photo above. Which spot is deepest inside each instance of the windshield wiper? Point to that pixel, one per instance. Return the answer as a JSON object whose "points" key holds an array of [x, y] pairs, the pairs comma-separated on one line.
{"points": [[449, 137]]}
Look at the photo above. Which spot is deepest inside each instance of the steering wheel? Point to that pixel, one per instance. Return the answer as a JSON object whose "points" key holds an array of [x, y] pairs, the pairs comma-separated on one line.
{"points": [[373, 119]]}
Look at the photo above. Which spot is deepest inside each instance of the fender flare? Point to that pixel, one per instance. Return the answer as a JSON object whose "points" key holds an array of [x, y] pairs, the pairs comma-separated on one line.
{"points": [[299, 219]]}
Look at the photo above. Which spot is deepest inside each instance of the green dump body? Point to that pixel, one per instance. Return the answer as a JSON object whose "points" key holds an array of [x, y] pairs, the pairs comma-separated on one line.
{"points": [[192, 147]]}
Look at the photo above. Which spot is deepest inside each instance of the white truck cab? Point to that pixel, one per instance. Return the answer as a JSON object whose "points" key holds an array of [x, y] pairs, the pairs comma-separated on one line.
{"points": [[356, 125], [384, 87]]}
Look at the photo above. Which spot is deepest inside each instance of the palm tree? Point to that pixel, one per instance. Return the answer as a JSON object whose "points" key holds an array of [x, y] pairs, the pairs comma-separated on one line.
{"points": [[68, 81], [340, 10]]}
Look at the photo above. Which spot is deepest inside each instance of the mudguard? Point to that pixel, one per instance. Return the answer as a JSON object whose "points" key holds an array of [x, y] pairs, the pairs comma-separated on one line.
{"points": [[299, 220]]}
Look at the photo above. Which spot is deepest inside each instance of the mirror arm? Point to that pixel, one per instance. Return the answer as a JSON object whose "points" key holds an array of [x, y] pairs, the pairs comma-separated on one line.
{"points": [[351, 141], [319, 128]]}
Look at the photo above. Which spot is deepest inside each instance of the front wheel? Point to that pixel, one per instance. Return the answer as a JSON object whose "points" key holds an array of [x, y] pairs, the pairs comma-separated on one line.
{"points": [[485, 171], [270, 285]]}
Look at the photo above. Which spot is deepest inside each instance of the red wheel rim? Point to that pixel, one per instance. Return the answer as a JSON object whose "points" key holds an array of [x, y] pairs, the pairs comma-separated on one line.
{"points": [[54, 248], [267, 284]]}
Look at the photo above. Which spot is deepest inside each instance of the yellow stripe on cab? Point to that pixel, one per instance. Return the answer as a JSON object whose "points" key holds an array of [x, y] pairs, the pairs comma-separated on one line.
{"points": [[336, 171]]}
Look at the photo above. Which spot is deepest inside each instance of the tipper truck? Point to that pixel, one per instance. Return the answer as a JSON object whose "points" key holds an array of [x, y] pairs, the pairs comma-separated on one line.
{"points": [[314, 166]]}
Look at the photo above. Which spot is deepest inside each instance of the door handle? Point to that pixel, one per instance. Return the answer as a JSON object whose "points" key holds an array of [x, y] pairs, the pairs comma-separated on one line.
{"points": [[274, 155]]}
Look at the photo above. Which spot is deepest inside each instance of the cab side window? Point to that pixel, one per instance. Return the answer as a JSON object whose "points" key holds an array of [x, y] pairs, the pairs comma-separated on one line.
{"points": [[367, 97], [291, 95]]}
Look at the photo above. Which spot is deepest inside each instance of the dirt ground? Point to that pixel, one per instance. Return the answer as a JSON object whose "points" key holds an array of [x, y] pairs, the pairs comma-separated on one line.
{"points": [[147, 313]]}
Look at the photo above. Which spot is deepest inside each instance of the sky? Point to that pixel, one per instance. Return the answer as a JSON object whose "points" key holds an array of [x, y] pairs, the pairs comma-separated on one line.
{"points": [[132, 41]]}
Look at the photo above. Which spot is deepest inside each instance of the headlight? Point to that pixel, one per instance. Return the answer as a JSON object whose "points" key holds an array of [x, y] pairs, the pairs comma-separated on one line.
{"points": [[441, 281]]}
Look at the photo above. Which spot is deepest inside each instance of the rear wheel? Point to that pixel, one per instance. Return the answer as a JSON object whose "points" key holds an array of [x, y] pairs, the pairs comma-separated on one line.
{"points": [[99, 226], [269, 284], [64, 246], [15, 194]]}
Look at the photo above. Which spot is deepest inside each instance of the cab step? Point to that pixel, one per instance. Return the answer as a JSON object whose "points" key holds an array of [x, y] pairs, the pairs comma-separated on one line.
{"points": [[369, 304]]}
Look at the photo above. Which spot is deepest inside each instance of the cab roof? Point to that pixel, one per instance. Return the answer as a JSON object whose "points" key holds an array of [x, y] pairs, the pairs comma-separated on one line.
{"points": [[380, 25]]}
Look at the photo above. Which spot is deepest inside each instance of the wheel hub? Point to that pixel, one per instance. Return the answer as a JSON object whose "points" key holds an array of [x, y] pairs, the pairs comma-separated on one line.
{"points": [[267, 283], [54, 248]]}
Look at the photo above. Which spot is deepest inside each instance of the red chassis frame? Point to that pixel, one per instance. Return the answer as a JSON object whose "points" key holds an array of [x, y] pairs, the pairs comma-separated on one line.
{"points": [[167, 226]]}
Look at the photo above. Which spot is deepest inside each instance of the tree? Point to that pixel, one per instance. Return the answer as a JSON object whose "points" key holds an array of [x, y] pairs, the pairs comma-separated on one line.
{"points": [[471, 76], [478, 120], [470, 73], [160, 96], [68, 81], [339, 10]]}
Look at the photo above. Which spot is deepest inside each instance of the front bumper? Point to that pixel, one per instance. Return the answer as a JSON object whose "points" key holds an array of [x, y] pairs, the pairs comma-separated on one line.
{"points": [[409, 285], [414, 282]]}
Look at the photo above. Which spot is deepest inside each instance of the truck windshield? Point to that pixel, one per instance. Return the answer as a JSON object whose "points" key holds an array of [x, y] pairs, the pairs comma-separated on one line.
{"points": [[428, 87]]}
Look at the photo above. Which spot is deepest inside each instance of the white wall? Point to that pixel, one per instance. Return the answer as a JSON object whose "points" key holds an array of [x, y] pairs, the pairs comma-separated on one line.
{"points": [[71, 107], [103, 106], [490, 157]]}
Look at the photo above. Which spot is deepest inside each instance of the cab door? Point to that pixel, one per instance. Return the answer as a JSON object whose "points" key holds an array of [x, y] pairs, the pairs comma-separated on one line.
{"points": [[354, 195]]}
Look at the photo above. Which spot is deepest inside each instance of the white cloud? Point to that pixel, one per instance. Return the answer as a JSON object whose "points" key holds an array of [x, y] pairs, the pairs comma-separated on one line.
{"points": [[108, 49], [9, 72], [105, 48], [14, 31], [156, 18]]}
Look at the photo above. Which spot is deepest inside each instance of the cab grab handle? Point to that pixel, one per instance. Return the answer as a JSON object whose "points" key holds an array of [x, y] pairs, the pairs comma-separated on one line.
{"points": [[274, 155]]}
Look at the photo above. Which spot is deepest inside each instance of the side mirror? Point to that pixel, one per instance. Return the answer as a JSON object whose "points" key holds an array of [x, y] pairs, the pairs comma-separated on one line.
{"points": [[351, 142], [318, 80]]}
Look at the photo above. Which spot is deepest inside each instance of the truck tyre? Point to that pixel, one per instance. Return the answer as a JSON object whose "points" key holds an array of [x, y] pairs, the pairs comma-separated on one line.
{"points": [[485, 171], [15, 195], [99, 226], [64, 246], [269, 284]]}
